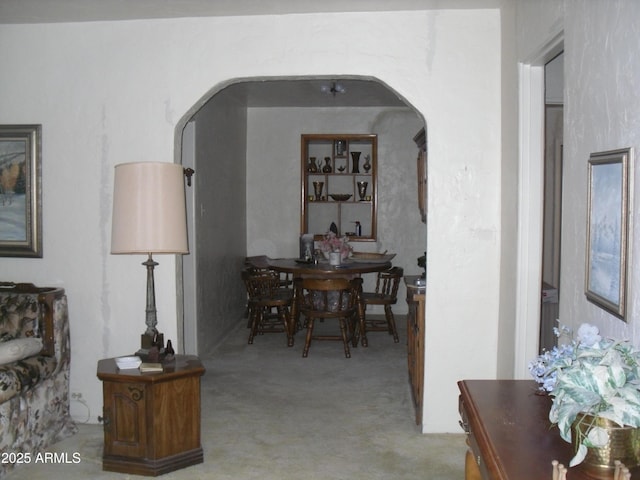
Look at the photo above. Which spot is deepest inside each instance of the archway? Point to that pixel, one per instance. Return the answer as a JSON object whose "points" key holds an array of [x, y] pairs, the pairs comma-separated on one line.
{"points": [[232, 112]]}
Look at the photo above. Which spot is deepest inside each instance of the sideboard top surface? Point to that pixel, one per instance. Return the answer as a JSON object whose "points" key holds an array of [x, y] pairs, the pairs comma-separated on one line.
{"points": [[510, 423]]}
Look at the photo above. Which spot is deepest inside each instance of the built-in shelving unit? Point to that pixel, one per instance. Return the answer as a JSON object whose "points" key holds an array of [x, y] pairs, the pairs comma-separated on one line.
{"points": [[338, 184]]}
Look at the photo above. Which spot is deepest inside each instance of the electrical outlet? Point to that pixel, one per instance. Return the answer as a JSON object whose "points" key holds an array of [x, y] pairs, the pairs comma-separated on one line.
{"points": [[77, 397]]}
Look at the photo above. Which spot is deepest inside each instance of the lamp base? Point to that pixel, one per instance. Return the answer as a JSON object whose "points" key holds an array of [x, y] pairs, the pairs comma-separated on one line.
{"points": [[146, 341]]}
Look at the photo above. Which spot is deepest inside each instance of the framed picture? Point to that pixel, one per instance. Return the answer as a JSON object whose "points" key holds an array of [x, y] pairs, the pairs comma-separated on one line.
{"points": [[607, 230], [20, 191]]}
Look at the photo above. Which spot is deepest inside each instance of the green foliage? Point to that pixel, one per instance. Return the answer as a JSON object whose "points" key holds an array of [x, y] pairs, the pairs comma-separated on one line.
{"points": [[600, 377]]}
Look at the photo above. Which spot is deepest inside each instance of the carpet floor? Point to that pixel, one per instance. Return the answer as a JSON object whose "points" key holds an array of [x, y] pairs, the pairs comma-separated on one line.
{"points": [[268, 413]]}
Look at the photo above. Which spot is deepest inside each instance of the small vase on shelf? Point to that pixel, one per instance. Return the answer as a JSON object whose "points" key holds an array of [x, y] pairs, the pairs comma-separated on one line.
{"points": [[313, 166], [362, 190], [355, 156], [367, 163], [327, 167], [317, 189]]}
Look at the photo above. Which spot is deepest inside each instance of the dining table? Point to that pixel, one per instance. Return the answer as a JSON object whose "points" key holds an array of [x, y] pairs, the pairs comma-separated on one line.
{"points": [[349, 268]]}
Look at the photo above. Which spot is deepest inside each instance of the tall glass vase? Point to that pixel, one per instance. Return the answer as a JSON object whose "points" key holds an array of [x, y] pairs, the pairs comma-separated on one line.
{"points": [[317, 189], [355, 157], [362, 189]]}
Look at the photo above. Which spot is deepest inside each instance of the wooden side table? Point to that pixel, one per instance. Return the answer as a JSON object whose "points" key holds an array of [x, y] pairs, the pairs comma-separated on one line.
{"points": [[151, 420]]}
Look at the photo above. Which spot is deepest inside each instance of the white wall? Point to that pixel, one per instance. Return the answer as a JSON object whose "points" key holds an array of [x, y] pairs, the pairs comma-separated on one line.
{"points": [[110, 92], [464, 203]]}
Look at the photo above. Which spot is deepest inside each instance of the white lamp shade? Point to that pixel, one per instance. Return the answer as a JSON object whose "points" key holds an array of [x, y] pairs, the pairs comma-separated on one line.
{"points": [[149, 212]]}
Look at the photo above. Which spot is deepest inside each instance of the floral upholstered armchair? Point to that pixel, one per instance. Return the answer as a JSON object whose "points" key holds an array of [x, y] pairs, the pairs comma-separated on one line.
{"points": [[34, 369]]}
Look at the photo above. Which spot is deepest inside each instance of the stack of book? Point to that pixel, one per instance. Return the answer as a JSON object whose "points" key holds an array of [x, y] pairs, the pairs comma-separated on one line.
{"points": [[127, 363], [150, 367]]}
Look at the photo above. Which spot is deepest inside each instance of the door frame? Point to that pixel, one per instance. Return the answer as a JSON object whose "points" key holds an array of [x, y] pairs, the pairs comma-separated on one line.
{"points": [[530, 202]]}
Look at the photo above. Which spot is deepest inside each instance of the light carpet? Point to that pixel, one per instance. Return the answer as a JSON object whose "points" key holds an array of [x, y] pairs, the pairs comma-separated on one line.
{"points": [[268, 413]]}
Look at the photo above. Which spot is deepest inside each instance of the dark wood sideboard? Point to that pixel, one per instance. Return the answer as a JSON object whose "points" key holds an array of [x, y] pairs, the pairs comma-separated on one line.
{"points": [[415, 343], [509, 433]]}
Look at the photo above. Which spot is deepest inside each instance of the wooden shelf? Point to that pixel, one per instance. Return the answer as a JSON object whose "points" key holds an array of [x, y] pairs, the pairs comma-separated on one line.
{"points": [[320, 152]]}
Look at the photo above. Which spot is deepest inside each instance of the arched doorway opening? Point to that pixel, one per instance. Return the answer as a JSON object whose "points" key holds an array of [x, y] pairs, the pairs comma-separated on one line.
{"points": [[243, 141]]}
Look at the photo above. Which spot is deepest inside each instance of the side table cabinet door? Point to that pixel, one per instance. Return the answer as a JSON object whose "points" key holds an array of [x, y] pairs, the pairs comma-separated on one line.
{"points": [[124, 424]]}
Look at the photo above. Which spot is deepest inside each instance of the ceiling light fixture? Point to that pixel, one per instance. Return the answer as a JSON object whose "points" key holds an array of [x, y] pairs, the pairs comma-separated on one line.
{"points": [[333, 88]]}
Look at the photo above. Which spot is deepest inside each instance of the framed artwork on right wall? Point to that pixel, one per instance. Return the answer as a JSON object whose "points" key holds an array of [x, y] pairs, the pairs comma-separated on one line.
{"points": [[608, 229]]}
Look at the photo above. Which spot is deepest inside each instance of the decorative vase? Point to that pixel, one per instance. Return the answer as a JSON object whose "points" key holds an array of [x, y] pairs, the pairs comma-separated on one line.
{"points": [[355, 156], [327, 167], [623, 445], [317, 189], [341, 146], [362, 189], [343, 255], [313, 166], [367, 163]]}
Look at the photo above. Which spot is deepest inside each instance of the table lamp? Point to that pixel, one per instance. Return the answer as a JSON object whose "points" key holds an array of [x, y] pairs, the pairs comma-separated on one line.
{"points": [[149, 216]]}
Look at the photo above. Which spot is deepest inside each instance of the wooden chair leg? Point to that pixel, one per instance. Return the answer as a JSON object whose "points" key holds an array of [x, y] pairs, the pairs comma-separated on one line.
{"points": [[391, 322], [285, 317], [256, 318], [345, 339], [362, 327], [307, 343], [355, 330]]}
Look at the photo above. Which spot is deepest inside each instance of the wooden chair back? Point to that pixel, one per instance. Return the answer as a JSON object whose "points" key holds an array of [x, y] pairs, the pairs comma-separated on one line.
{"points": [[329, 297], [260, 284], [388, 282]]}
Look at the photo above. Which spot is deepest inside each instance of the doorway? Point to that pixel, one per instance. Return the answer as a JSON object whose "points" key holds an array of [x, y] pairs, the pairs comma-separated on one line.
{"points": [[242, 150], [552, 209], [531, 202]]}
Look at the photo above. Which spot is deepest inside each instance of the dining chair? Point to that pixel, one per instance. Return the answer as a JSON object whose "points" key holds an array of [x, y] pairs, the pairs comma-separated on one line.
{"points": [[328, 298], [386, 294], [261, 262], [265, 295]]}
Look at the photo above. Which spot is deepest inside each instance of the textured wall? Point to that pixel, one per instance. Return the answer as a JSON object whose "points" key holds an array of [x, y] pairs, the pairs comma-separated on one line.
{"points": [[602, 71], [602, 112], [220, 213], [109, 92]]}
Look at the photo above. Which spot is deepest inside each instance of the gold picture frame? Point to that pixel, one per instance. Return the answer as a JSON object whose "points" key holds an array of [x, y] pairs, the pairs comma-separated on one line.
{"points": [[607, 253], [20, 191]]}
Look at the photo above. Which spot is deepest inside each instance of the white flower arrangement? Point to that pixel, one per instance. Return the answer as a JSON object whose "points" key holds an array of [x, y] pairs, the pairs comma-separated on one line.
{"points": [[592, 376]]}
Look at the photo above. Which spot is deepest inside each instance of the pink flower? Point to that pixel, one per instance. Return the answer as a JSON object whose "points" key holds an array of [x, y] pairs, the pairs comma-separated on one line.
{"points": [[332, 243]]}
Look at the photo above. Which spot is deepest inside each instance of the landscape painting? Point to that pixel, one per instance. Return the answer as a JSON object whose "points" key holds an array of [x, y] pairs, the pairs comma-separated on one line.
{"points": [[20, 209], [607, 230]]}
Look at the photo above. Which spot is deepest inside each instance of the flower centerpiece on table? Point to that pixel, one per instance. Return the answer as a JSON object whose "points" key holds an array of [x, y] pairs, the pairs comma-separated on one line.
{"points": [[333, 243], [590, 378]]}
